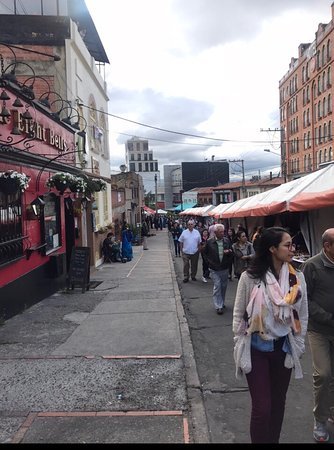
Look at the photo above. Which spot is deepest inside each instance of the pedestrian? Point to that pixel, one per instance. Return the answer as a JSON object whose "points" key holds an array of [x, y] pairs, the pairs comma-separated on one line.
{"points": [[218, 253], [212, 228], [144, 233], [256, 237], [269, 324], [231, 237], [190, 242], [319, 275], [111, 248], [205, 265], [127, 236], [243, 252], [176, 231]]}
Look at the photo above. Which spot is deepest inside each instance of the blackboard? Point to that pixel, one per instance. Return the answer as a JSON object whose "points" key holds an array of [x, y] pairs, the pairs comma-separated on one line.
{"points": [[80, 268]]}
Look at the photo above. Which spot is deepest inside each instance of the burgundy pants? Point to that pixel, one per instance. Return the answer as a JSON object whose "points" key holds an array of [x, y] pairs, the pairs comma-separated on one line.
{"points": [[268, 383]]}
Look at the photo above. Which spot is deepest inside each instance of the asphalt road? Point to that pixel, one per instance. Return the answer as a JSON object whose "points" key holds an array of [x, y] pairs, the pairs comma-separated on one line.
{"points": [[226, 399]]}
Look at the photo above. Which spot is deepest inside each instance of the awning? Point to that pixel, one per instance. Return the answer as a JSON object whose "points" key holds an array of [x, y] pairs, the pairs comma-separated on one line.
{"points": [[148, 210], [312, 191], [201, 211]]}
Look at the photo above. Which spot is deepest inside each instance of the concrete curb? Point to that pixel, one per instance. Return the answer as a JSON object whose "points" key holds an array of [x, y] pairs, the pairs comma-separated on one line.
{"points": [[197, 415]]}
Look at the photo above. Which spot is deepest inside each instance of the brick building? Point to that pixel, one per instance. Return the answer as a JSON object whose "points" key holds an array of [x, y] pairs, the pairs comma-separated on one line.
{"points": [[306, 105]]}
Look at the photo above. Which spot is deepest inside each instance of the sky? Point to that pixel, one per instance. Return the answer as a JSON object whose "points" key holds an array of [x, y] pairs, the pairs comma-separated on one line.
{"points": [[206, 68]]}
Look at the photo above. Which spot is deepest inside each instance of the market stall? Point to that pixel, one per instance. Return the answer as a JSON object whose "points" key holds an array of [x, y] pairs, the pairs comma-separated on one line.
{"points": [[312, 196]]}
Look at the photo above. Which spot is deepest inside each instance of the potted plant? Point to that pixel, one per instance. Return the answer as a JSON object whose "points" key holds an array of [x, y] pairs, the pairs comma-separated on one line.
{"points": [[12, 181], [61, 181]]}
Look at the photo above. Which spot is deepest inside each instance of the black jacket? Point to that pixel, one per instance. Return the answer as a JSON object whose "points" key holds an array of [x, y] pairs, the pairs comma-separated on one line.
{"points": [[211, 255]]}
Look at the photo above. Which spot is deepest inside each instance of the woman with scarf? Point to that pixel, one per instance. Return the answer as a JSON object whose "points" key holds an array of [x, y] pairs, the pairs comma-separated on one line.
{"points": [[269, 324]]}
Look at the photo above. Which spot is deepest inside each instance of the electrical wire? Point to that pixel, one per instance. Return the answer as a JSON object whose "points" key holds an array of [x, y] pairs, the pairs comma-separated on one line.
{"points": [[172, 131]]}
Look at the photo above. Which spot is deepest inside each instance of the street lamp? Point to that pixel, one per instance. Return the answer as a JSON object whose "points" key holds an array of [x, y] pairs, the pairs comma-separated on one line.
{"points": [[270, 151], [283, 163]]}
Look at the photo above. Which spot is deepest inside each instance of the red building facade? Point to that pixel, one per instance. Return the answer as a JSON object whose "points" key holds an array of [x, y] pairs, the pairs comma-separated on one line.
{"points": [[39, 223]]}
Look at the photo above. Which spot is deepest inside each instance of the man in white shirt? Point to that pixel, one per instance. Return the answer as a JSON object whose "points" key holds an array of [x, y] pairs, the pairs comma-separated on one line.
{"points": [[190, 242]]}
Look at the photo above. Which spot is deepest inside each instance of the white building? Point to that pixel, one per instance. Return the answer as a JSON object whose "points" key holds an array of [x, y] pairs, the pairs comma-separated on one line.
{"points": [[139, 159]]}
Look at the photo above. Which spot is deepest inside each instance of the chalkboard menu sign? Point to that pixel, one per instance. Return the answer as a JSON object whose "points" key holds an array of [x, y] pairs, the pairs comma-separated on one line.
{"points": [[79, 268]]}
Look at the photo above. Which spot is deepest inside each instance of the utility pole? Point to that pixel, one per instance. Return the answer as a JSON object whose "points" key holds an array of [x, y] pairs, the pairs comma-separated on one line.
{"points": [[284, 146], [243, 174]]}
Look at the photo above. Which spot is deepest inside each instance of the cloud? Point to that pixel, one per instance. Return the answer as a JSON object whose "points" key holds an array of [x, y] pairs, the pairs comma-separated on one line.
{"points": [[215, 22], [203, 67]]}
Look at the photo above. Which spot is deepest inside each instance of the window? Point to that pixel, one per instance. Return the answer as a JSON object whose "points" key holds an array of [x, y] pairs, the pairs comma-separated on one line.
{"points": [[52, 235], [11, 238], [325, 132], [92, 121], [329, 103], [328, 50]]}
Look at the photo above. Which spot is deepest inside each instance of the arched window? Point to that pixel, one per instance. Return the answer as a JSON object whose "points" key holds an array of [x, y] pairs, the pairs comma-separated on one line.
{"points": [[328, 50], [330, 154], [329, 103], [92, 124], [325, 155], [324, 106], [330, 130], [325, 132], [323, 54], [329, 77]]}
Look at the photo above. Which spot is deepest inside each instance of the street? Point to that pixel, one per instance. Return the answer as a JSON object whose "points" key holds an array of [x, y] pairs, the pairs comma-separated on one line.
{"points": [[226, 399]]}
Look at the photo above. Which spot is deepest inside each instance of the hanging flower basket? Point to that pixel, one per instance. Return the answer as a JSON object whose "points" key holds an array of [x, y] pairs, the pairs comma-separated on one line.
{"points": [[78, 185], [61, 181], [12, 182], [95, 185]]}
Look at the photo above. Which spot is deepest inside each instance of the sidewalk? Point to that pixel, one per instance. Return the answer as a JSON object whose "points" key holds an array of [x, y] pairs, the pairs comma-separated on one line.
{"points": [[112, 365]]}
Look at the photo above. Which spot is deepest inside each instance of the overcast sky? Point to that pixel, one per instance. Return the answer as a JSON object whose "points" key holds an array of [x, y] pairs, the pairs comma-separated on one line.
{"points": [[209, 68]]}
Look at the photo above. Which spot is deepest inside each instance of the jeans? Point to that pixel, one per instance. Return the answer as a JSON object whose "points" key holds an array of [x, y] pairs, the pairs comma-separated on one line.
{"points": [[190, 262], [268, 384], [322, 351], [205, 268], [176, 247], [220, 281]]}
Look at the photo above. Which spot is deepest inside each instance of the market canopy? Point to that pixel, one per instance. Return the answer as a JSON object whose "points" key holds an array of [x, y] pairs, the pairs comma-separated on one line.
{"points": [[202, 211], [148, 210], [312, 191]]}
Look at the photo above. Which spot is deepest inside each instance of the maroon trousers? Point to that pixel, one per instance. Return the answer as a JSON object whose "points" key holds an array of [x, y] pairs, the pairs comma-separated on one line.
{"points": [[268, 384]]}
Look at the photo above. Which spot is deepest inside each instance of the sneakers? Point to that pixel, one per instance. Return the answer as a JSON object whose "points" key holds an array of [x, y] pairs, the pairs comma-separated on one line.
{"points": [[220, 311], [204, 280], [320, 433], [193, 278]]}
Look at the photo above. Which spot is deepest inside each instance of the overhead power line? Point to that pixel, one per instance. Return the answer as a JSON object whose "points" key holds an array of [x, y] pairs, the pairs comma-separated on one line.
{"points": [[172, 131]]}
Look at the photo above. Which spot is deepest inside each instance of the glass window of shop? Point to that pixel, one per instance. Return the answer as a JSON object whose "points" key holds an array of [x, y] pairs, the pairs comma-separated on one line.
{"points": [[11, 238], [52, 231]]}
